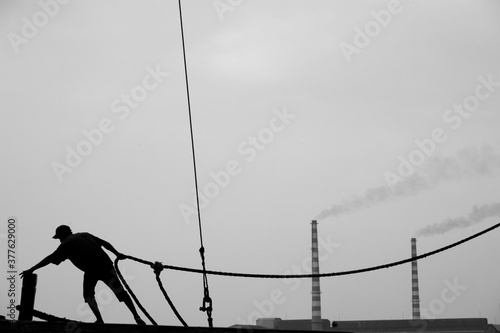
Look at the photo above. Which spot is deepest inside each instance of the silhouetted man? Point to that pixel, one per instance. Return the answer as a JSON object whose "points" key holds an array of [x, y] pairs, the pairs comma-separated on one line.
{"points": [[85, 252]]}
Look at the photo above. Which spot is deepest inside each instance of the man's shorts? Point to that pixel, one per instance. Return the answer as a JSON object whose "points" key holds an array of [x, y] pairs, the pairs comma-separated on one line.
{"points": [[109, 277]]}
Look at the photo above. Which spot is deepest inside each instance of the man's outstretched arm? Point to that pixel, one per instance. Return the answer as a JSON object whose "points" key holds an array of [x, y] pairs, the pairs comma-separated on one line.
{"points": [[44, 262]]}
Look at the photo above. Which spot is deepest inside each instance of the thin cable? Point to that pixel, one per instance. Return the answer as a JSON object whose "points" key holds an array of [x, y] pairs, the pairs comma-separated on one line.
{"points": [[190, 125], [207, 301]]}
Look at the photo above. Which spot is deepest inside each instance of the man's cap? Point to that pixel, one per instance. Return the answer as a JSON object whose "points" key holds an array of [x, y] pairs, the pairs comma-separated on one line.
{"points": [[62, 230]]}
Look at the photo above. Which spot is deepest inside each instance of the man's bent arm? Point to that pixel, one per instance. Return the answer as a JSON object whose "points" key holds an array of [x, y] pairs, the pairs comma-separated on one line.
{"points": [[110, 247]]}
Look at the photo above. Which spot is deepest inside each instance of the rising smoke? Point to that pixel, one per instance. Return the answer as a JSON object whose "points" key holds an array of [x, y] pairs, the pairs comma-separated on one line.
{"points": [[465, 163], [478, 214]]}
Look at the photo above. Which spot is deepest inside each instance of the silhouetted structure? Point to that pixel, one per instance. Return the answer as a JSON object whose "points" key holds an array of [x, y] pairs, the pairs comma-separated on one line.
{"points": [[452, 325], [316, 324], [28, 297], [415, 297], [462, 325]]}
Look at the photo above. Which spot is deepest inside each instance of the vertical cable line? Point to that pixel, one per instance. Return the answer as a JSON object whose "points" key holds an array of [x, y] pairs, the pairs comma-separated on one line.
{"points": [[207, 301]]}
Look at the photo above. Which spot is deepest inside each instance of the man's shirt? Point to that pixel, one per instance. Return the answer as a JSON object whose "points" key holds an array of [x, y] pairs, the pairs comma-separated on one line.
{"points": [[84, 251]]}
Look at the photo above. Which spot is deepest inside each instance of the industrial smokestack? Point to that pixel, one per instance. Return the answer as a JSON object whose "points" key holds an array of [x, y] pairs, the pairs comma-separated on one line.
{"points": [[316, 293], [415, 298]]}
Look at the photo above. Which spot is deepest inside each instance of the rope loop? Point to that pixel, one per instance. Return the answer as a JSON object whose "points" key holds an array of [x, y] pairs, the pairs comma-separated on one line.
{"points": [[120, 276]]}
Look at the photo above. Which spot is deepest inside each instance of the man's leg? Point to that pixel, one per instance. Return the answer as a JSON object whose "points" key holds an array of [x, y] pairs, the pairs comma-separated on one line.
{"points": [[130, 305], [93, 306], [89, 283], [115, 285]]}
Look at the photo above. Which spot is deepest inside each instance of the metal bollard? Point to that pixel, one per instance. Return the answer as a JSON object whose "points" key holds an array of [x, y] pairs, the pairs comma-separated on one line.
{"points": [[28, 297]]}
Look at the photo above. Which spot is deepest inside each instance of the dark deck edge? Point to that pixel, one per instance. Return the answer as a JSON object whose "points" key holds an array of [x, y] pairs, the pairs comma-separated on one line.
{"points": [[80, 327]]}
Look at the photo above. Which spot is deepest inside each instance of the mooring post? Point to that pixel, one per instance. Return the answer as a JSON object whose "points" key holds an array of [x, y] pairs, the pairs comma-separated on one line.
{"points": [[28, 297]]}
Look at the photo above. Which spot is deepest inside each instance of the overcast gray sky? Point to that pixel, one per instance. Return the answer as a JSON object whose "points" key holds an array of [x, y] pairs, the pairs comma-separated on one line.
{"points": [[379, 118]]}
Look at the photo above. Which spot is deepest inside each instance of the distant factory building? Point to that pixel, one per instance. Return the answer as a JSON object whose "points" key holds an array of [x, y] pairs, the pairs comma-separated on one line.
{"points": [[452, 325]]}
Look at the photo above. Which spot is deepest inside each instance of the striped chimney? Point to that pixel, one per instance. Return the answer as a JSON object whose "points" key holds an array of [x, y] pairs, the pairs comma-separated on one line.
{"points": [[415, 298], [316, 293]]}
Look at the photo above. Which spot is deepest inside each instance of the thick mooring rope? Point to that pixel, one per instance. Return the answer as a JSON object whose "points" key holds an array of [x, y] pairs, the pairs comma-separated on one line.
{"points": [[300, 276], [158, 267]]}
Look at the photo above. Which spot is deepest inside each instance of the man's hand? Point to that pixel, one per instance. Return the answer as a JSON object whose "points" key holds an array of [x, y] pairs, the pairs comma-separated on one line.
{"points": [[121, 256], [26, 272]]}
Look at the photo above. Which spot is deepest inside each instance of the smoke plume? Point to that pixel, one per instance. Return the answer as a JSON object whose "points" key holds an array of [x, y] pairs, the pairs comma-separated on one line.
{"points": [[478, 214], [465, 163]]}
